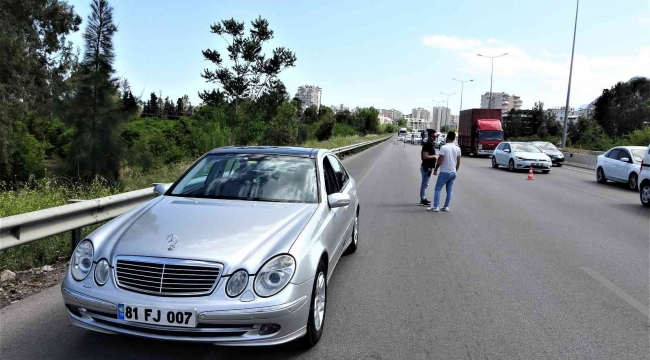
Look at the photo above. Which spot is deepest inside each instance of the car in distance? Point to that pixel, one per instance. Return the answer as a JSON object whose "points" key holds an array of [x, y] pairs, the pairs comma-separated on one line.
{"points": [[557, 157], [644, 179], [620, 164], [402, 134], [237, 251], [416, 139], [521, 155]]}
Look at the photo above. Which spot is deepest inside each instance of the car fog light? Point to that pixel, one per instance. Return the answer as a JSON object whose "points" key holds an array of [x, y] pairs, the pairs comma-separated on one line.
{"points": [[266, 329]]}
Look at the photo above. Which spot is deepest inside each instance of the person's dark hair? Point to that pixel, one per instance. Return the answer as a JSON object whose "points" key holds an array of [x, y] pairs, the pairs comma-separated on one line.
{"points": [[431, 132], [451, 135]]}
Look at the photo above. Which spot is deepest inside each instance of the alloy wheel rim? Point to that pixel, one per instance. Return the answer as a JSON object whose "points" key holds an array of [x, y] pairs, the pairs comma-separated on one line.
{"points": [[356, 230], [600, 174], [494, 162], [633, 182], [512, 165], [319, 301], [645, 194]]}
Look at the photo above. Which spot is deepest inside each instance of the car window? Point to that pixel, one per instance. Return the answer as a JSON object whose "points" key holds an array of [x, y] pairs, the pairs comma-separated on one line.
{"points": [[624, 154], [331, 184], [252, 177], [613, 154], [527, 148], [500, 147], [546, 146], [637, 154], [506, 147], [341, 175]]}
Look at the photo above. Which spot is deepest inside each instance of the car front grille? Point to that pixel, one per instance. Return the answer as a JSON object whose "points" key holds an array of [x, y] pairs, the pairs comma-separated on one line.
{"points": [[166, 277]]}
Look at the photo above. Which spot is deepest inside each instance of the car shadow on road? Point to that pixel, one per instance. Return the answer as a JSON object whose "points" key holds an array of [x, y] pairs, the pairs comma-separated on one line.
{"points": [[634, 209], [610, 185], [109, 347]]}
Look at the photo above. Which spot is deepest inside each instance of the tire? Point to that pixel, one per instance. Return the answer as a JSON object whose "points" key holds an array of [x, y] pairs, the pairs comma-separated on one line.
{"points": [[494, 162], [644, 193], [546, 171], [600, 176], [319, 290], [355, 236], [559, 164], [511, 165], [633, 182]]}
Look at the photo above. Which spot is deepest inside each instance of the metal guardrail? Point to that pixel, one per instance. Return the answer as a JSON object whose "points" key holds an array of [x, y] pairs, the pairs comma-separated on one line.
{"points": [[24, 228]]}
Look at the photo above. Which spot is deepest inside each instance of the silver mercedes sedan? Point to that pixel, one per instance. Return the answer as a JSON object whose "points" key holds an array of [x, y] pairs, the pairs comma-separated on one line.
{"points": [[237, 251]]}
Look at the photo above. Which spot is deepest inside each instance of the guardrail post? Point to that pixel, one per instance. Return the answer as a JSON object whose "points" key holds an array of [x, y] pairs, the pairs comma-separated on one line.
{"points": [[75, 234]]}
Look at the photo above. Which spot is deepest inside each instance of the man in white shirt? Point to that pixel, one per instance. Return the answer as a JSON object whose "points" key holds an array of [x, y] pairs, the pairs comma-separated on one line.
{"points": [[448, 164]]}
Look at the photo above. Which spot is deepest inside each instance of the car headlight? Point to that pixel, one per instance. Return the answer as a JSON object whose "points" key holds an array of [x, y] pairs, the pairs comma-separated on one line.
{"points": [[237, 283], [82, 260], [274, 275], [560, 155], [520, 158], [102, 272]]}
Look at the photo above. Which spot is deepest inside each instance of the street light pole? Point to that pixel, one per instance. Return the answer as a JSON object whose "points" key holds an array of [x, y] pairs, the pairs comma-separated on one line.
{"points": [[568, 92], [462, 82], [447, 107], [491, 73]]}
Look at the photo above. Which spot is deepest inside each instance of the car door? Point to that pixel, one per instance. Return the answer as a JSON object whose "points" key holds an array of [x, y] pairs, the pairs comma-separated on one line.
{"points": [[609, 164], [498, 153], [335, 224], [622, 169], [348, 212], [505, 154]]}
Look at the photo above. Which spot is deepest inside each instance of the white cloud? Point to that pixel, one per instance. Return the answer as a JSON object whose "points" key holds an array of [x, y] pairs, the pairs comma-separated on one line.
{"points": [[544, 78], [645, 20], [449, 42], [492, 41]]}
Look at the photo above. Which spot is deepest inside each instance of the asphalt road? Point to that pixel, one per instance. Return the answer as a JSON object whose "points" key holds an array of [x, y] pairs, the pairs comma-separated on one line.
{"points": [[557, 267]]}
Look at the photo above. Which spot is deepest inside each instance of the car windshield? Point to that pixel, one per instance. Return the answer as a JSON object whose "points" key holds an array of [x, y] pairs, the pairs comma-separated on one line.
{"points": [[527, 148], [252, 177], [637, 154], [490, 135], [546, 146]]}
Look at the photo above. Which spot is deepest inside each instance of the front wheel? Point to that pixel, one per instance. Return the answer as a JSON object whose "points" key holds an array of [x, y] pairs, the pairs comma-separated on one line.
{"points": [[316, 318], [645, 194], [546, 171], [600, 176], [633, 182], [559, 164], [511, 165], [494, 162]]}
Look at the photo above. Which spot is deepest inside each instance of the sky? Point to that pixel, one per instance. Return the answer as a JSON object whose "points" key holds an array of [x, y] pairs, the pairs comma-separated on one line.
{"points": [[394, 54]]}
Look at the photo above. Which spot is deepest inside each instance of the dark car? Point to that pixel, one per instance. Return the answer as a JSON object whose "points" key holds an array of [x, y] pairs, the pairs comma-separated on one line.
{"points": [[557, 157]]}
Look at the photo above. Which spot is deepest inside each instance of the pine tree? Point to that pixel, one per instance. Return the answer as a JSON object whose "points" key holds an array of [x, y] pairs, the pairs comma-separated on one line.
{"points": [[96, 112]]}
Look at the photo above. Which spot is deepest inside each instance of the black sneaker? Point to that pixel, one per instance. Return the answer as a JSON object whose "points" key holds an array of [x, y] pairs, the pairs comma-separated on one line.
{"points": [[425, 202]]}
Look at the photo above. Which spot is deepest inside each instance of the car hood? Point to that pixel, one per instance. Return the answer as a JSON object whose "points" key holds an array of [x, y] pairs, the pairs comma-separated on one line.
{"points": [[535, 156], [552, 152], [237, 234]]}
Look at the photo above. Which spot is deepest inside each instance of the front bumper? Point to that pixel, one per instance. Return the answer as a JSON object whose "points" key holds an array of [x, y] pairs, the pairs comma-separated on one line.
{"points": [[220, 320], [484, 152], [557, 160], [541, 165]]}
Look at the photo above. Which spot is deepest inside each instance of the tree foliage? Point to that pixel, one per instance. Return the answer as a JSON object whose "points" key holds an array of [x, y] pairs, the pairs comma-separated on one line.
{"points": [[250, 71], [624, 108]]}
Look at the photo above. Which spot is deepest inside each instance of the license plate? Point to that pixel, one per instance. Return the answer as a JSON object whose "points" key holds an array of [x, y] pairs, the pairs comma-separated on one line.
{"points": [[156, 316], [538, 164]]}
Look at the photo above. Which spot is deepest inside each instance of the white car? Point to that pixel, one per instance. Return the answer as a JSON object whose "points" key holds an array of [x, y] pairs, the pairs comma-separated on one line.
{"points": [[416, 139], [644, 179], [620, 164], [521, 155]]}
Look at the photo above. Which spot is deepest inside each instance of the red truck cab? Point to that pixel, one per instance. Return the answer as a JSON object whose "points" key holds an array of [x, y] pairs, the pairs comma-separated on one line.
{"points": [[479, 131]]}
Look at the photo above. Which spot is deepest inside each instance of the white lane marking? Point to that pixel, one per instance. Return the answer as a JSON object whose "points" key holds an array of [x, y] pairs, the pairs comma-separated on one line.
{"points": [[569, 167], [619, 292], [590, 192]]}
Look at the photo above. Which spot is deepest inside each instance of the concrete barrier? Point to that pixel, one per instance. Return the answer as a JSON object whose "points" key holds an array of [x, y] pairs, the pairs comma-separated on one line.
{"points": [[580, 160]]}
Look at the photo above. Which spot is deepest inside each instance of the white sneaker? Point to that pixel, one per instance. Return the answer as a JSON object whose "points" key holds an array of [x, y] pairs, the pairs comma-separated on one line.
{"points": [[445, 208], [434, 209]]}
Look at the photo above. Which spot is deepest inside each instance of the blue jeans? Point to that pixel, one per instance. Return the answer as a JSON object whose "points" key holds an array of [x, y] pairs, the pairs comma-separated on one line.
{"points": [[426, 175], [444, 179]]}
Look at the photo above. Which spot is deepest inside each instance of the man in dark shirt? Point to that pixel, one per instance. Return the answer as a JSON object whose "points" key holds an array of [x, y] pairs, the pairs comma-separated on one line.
{"points": [[429, 158]]}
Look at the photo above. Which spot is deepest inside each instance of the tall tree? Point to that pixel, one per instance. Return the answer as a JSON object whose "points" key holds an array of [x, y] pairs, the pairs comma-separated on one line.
{"points": [[310, 115], [35, 59], [251, 72], [96, 112]]}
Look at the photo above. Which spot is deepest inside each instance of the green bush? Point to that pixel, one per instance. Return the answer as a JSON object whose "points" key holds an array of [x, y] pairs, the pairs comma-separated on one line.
{"points": [[325, 129], [640, 137], [343, 130], [304, 133]]}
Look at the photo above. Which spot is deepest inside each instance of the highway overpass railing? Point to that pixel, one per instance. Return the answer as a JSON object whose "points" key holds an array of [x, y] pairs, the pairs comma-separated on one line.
{"points": [[25, 228]]}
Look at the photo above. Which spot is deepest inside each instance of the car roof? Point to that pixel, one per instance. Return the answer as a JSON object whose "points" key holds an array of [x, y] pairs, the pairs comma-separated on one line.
{"points": [[269, 150], [632, 147]]}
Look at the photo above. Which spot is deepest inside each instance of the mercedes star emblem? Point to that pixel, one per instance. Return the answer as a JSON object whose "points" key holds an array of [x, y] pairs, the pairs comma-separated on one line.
{"points": [[171, 241]]}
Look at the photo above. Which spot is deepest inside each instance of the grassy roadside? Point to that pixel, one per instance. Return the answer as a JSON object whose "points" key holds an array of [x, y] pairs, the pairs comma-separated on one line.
{"points": [[47, 193]]}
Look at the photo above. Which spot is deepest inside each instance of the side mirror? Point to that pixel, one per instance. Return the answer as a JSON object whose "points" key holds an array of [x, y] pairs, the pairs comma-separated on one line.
{"points": [[338, 200], [160, 188], [506, 150], [625, 160]]}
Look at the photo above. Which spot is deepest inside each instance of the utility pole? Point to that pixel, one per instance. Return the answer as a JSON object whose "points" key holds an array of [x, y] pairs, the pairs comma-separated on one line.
{"points": [[491, 73], [568, 92]]}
